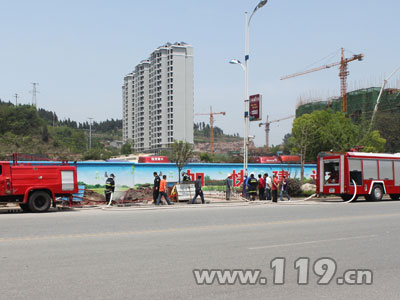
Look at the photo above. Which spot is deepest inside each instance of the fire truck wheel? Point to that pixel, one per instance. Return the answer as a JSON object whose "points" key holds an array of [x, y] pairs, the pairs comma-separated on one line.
{"points": [[24, 207], [347, 197], [395, 196], [39, 201], [377, 193]]}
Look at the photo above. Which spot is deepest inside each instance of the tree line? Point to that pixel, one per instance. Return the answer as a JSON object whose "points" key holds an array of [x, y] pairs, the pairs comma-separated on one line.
{"points": [[108, 126], [203, 129], [25, 129]]}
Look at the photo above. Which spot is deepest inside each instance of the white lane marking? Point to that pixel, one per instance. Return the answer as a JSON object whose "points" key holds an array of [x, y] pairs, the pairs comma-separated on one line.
{"points": [[314, 242]]}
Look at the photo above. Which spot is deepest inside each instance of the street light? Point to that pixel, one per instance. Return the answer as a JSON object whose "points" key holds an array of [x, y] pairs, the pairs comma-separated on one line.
{"points": [[237, 62], [245, 68]]}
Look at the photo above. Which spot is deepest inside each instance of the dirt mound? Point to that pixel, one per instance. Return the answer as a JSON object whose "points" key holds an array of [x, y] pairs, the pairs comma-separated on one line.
{"points": [[91, 197], [142, 193], [132, 195]]}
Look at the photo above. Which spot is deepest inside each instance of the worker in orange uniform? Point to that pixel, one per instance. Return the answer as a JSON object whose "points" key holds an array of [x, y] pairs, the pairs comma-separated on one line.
{"points": [[163, 191]]}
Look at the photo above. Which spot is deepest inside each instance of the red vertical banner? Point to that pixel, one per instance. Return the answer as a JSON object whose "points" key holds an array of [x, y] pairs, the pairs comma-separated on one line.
{"points": [[255, 107]]}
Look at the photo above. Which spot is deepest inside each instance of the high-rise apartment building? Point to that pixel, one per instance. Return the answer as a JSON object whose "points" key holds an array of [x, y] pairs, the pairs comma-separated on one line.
{"points": [[158, 99]]}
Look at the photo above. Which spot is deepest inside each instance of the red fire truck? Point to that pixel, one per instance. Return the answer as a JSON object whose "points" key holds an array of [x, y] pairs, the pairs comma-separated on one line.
{"points": [[36, 187], [355, 173]]}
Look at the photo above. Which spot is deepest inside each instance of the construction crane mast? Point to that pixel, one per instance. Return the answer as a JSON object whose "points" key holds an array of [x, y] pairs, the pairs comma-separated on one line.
{"points": [[267, 125], [342, 74], [211, 114]]}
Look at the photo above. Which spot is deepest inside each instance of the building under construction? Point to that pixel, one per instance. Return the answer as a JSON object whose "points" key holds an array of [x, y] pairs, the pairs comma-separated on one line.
{"points": [[359, 103], [360, 107]]}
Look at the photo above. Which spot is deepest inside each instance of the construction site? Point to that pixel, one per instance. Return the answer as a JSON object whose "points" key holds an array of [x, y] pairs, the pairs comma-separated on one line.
{"points": [[359, 103]]}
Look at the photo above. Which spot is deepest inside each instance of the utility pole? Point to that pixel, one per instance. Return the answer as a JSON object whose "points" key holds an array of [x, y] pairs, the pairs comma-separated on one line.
{"points": [[16, 99], [34, 92], [90, 133]]}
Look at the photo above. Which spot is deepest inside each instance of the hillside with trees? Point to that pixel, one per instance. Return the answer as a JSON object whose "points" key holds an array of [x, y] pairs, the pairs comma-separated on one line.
{"points": [[24, 129], [202, 131]]}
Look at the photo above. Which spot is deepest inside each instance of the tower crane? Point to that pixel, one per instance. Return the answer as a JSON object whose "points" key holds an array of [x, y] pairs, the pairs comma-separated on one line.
{"points": [[267, 124], [211, 114], [342, 74]]}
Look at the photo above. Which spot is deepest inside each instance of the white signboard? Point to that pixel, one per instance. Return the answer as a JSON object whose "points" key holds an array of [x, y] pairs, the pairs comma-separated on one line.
{"points": [[185, 191]]}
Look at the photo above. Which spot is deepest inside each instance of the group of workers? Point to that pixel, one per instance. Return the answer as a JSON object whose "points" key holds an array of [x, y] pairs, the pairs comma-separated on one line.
{"points": [[160, 189], [265, 187]]}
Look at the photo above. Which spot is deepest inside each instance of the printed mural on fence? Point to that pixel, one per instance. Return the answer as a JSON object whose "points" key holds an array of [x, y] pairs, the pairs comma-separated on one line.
{"points": [[128, 175]]}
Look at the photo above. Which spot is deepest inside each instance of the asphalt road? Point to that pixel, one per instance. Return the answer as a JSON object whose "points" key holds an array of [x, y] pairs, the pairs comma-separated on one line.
{"points": [[150, 254]]}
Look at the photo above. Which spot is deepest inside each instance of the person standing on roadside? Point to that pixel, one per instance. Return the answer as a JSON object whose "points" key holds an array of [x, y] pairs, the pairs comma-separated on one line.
{"points": [[163, 191], [156, 187], [268, 186], [274, 188], [252, 187], [245, 182], [284, 189], [261, 187], [110, 187], [199, 191], [228, 187]]}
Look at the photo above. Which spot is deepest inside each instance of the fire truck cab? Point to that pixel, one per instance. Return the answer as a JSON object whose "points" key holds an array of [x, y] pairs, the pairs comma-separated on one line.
{"points": [[355, 173]]}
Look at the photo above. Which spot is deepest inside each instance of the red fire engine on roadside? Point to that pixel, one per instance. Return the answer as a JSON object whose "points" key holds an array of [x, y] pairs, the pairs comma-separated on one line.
{"points": [[352, 174], [36, 187]]}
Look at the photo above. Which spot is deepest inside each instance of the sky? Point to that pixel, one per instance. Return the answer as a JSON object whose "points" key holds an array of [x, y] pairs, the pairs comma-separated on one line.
{"points": [[80, 51]]}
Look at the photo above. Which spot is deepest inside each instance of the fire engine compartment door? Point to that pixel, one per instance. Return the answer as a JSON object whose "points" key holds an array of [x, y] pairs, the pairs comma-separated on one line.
{"points": [[397, 173], [2, 181], [67, 180], [355, 171]]}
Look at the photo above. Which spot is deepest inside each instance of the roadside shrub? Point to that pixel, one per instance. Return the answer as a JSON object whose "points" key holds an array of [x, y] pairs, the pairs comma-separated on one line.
{"points": [[294, 188]]}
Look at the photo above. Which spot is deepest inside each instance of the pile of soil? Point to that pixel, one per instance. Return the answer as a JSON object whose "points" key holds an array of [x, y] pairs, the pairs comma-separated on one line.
{"points": [[142, 193], [93, 198]]}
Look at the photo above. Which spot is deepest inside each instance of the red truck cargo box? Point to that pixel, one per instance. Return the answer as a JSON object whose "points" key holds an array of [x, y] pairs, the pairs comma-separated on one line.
{"points": [[153, 159], [266, 160]]}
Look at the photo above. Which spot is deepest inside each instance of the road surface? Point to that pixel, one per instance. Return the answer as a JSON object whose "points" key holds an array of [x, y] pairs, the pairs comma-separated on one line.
{"points": [[151, 254]]}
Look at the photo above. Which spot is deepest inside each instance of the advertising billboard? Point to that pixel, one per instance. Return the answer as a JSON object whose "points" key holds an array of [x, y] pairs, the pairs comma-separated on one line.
{"points": [[255, 107]]}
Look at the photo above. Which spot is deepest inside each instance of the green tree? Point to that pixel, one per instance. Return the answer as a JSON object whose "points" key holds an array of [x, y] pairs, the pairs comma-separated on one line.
{"points": [[180, 154], [388, 124], [45, 134], [126, 148], [287, 143], [328, 131], [206, 157], [373, 142], [303, 138], [92, 154]]}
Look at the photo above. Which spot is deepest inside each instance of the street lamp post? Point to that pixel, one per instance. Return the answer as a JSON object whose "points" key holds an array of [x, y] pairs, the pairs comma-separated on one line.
{"points": [[245, 68]]}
